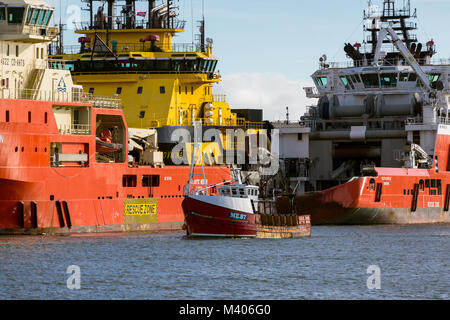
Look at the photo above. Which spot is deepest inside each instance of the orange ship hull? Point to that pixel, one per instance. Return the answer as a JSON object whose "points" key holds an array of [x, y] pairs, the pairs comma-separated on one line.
{"points": [[391, 196], [36, 197], [395, 196]]}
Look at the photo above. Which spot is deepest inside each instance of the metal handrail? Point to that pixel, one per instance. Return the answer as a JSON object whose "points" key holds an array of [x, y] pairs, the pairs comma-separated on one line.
{"points": [[58, 96], [120, 23], [362, 63], [128, 47]]}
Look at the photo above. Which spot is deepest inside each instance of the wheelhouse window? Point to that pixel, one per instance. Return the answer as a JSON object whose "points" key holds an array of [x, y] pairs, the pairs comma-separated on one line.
{"points": [[350, 82], [355, 78], [34, 17], [2, 13], [47, 17], [434, 77], [15, 15], [388, 80], [371, 80], [321, 81], [344, 81], [40, 19], [29, 15]]}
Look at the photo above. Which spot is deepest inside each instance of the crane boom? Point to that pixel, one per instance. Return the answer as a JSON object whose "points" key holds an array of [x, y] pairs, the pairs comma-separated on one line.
{"points": [[404, 52]]}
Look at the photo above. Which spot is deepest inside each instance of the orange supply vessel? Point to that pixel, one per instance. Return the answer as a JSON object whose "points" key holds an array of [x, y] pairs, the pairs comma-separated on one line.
{"points": [[66, 158]]}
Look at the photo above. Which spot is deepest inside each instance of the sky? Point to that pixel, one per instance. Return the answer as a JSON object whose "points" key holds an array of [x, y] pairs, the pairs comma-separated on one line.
{"points": [[267, 50]]}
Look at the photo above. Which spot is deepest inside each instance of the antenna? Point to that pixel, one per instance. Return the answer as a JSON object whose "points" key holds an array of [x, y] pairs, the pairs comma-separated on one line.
{"points": [[287, 115]]}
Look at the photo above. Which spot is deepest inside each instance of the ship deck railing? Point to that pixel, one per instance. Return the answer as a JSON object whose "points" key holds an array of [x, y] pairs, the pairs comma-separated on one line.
{"points": [[60, 96], [75, 129], [291, 124], [419, 121], [46, 31], [363, 63], [120, 23], [124, 48], [207, 122]]}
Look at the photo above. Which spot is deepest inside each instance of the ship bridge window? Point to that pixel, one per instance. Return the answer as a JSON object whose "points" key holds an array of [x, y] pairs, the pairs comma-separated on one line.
{"points": [[47, 17], [2, 13], [371, 80], [321, 81], [355, 78], [40, 17], [34, 17], [70, 66], [347, 82], [434, 77], [15, 15], [389, 80], [29, 15], [350, 82]]}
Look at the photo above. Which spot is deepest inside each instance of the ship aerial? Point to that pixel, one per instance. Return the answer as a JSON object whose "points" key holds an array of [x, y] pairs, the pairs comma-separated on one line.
{"points": [[69, 162], [375, 148]]}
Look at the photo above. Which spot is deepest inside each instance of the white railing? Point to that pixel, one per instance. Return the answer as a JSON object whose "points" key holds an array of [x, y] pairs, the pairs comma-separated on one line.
{"points": [[77, 129], [219, 98], [361, 63], [57, 96], [102, 101], [292, 124]]}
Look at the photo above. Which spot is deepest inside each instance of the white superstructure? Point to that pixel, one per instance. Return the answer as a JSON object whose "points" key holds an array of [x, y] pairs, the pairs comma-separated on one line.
{"points": [[382, 108], [25, 72]]}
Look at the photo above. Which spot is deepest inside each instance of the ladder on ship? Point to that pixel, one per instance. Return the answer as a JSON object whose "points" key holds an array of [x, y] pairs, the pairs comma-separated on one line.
{"points": [[197, 149], [31, 91]]}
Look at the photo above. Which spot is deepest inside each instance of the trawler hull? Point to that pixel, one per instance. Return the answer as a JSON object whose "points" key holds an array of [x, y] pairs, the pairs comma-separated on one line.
{"points": [[214, 216]]}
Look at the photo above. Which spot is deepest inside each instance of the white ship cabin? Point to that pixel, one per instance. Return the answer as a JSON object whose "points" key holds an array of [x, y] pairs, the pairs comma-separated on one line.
{"points": [[25, 71], [26, 20], [373, 79], [239, 191]]}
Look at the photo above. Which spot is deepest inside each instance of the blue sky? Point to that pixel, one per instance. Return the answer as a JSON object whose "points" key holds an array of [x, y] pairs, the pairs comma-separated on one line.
{"points": [[267, 50]]}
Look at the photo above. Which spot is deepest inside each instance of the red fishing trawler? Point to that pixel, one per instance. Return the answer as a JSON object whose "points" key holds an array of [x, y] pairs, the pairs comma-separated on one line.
{"points": [[68, 161], [232, 209]]}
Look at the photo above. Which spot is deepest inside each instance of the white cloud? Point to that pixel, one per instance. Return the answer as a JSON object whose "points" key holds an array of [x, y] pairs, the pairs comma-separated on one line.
{"points": [[271, 92]]}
